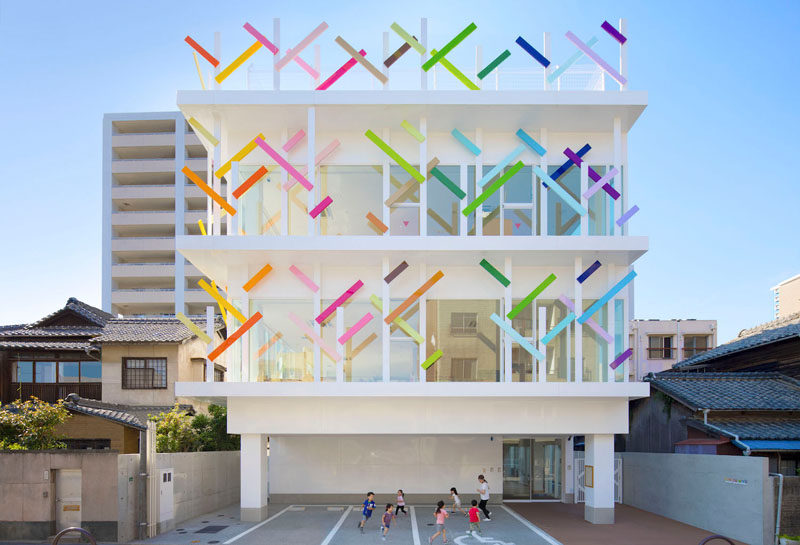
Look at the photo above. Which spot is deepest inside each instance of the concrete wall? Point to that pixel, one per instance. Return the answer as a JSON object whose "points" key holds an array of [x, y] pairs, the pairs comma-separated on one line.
{"points": [[28, 493], [345, 468], [790, 510], [697, 489]]}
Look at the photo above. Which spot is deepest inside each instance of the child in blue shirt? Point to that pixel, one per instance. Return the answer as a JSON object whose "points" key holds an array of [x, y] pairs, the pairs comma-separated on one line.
{"points": [[369, 505]]}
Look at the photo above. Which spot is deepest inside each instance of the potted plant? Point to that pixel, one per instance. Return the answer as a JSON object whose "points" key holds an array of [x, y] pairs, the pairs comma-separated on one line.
{"points": [[789, 540]]}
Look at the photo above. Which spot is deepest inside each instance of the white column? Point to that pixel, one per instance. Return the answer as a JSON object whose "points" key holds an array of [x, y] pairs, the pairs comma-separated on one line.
{"points": [[478, 175], [214, 182], [583, 200], [578, 327], [599, 507], [478, 64], [339, 333], [619, 204], [180, 206], [423, 317], [623, 55], [218, 55], [233, 221], [317, 66], [542, 324], [385, 332], [315, 193], [211, 333], [276, 39], [542, 190], [508, 373], [423, 167], [612, 279], [317, 327], [253, 477], [463, 220], [387, 191], [569, 472]]}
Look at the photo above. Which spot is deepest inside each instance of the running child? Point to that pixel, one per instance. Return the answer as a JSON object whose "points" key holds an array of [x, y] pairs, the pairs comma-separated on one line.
{"points": [[401, 502], [456, 501], [483, 490], [386, 521], [474, 519], [440, 515], [369, 505]]}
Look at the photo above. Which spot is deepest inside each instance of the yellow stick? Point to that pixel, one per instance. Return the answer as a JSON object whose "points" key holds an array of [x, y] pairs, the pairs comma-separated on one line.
{"points": [[222, 302], [193, 327], [199, 73]]}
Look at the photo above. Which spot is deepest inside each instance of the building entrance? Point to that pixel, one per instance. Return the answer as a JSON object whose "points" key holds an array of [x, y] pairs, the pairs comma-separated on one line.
{"points": [[532, 468]]}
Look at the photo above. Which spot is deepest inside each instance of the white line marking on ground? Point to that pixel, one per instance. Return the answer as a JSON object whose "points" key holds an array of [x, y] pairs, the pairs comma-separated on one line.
{"points": [[335, 529], [414, 527], [259, 525], [532, 527]]}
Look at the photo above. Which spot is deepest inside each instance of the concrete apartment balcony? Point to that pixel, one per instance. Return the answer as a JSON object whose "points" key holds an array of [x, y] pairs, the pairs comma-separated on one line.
{"points": [[131, 166], [143, 140], [197, 295], [133, 192], [143, 270], [143, 244], [153, 218], [143, 295]]}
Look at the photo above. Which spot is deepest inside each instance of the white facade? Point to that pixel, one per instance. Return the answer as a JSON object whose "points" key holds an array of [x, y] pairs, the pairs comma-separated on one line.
{"points": [[659, 344], [337, 411], [146, 202], [786, 297]]}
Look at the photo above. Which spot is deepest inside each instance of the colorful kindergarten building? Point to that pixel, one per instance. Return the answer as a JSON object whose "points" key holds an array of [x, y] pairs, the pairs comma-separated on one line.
{"points": [[425, 278]]}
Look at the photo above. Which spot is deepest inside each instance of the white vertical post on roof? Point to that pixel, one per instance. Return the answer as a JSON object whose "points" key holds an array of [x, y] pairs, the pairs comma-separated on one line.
{"points": [[218, 55], [623, 55], [210, 333], [478, 63], [546, 53], [317, 66], [385, 70], [423, 35], [315, 193], [276, 39], [507, 303], [578, 302], [423, 168]]}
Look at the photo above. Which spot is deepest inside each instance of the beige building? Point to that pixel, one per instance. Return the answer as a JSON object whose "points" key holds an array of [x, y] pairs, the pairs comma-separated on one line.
{"points": [[147, 202], [659, 344], [787, 297]]}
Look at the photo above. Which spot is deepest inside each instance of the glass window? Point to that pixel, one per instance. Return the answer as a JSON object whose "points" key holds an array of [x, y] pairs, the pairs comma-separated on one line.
{"points": [[279, 349], [298, 210], [595, 348], [619, 332], [260, 206], [68, 371], [556, 365], [523, 368], [598, 207], [355, 190], [562, 220], [91, 371], [45, 371], [144, 373], [443, 205], [404, 360], [404, 220], [22, 371], [518, 221], [519, 188], [462, 330], [363, 352], [659, 347], [490, 209]]}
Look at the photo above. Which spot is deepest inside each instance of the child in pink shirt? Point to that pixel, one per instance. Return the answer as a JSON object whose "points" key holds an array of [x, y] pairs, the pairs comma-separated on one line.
{"points": [[441, 515]]}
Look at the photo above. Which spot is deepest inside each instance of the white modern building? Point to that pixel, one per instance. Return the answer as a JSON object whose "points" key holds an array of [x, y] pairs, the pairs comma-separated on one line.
{"points": [[337, 369], [146, 202], [786, 297], [659, 344]]}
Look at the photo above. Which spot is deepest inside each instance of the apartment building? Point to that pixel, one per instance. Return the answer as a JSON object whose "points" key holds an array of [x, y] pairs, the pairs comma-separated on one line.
{"points": [[659, 344], [430, 284], [786, 297], [146, 202]]}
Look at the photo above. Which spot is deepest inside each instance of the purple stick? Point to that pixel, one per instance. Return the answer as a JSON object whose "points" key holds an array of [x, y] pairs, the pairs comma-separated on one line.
{"points": [[608, 27], [627, 215], [575, 158], [622, 357]]}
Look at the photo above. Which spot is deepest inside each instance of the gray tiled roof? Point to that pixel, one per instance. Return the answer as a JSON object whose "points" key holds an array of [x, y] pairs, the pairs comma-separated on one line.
{"points": [[730, 391], [50, 331], [135, 416], [769, 429], [767, 337], [21, 344], [150, 329], [89, 312]]}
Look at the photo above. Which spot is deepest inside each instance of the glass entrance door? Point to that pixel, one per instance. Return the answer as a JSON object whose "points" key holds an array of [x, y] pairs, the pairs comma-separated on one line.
{"points": [[532, 468]]}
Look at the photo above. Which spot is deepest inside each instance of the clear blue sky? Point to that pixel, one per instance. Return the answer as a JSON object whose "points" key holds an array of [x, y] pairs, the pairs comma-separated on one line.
{"points": [[710, 159]]}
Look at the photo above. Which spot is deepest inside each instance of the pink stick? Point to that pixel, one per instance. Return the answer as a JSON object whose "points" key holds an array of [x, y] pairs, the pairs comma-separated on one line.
{"points": [[283, 163], [314, 337], [356, 328], [261, 38], [336, 304], [317, 210], [292, 53], [292, 142], [304, 279], [320, 157], [340, 72]]}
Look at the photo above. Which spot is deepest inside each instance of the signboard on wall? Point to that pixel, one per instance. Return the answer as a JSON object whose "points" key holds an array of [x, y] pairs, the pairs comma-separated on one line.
{"points": [[588, 476]]}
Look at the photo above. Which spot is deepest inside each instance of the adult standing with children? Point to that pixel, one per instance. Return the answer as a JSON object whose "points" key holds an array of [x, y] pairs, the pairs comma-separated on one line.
{"points": [[483, 490]]}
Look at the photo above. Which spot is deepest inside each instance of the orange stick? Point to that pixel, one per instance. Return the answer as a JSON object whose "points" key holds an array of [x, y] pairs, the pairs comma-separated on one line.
{"points": [[248, 183], [414, 296], [275, 338], [208, 191], [272, 221], [235, 336], [257, 277], [376, 222], [197, 47]]}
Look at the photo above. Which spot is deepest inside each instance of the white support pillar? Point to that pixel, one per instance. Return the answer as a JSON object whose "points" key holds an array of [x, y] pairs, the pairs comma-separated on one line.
{"points": [[542, 190], [216, 183], [626, 332], [578, 327], [253, 477], [623, 55], [612, 279], [478, 64], [478, 175], [385, 332], [317, 66], [423, 167], [619, 204], [508, 373], [583, 200], [387, 190], [569, 472], [542, 325], [463, 221], [276, 39], [317, 327], [546, 53], [423, 317], [314, 194], [339, 333], [211, 333], [599, 506], [233, 221]]}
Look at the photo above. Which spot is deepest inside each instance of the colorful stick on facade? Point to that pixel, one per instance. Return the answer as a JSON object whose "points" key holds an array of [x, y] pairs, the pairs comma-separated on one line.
{"points": [[466, 142], [433, 358], [238, 156], [500, 277], [361, 59], [613, 32], [304, 279], [563, 67], [275, 338], [530, 142], [557, 329], [395, 272], [202, 227], [294, 140], [305, 42], [413, 297], [264, 271], [208, 191], [627, 215], [588, 272], [193, 328], [530, 50], [503, 163], [221, 300], [596, 58], [202, 130], [249, 182], [621, 358], [531, 296], [339, 301], [458, 74], [439, 55], [379, 225], [590, 322], [568, 164], [244, 328], [391, 59], [261, 38], [412, 130], [516, 337], [272, 221], [331, 352], [494, 64], [607, 297], [560, 191], [199, 72], [317, 210], [489, 191], [602, 183], [327, 150], [399, 322], [282, 162], [408, 38], [394, 155], [339, 73], [448, 183], [205, 54], [410, 186], [356, 328], [240, 60]]}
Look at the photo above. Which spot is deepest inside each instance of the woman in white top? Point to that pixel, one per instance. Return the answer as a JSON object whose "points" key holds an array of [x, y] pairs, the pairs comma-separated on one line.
{"points": [[483, 490]]}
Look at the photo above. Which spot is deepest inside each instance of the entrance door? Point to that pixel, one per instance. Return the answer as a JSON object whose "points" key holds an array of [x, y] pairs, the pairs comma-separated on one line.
{"points": [[68, 498], [532, 468]]}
